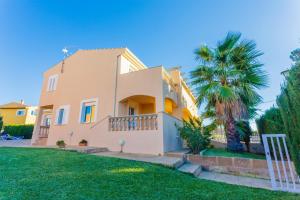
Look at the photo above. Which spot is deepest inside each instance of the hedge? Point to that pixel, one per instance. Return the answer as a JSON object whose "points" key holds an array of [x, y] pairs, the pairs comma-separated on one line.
{"points": [[289, 104], [19, 130], [270, 122]]}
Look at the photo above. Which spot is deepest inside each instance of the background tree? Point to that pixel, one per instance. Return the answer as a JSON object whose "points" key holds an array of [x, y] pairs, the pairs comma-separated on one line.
{"points": [[270, 122], [295, 55], [226, 81]]}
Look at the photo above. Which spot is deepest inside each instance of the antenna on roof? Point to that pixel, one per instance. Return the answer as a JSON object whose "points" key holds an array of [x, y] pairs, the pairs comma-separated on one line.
{"points": [[66, 53]]}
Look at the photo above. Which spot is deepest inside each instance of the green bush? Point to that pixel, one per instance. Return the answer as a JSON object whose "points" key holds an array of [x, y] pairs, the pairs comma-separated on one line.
{"points": [[244, 130], [61, 143], [19, 130], [196, 136], [270, 122], [289, 105]]}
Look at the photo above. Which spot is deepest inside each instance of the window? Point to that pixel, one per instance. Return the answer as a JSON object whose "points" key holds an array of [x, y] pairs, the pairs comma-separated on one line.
{"points": [[47, 121], [88, 111], [20, 112], [62, 114], [52, 83], [33, 112], [131, 111]]}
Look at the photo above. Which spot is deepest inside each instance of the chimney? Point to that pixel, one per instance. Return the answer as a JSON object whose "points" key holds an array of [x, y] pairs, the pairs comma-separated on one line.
{"points": [[22, 101]]}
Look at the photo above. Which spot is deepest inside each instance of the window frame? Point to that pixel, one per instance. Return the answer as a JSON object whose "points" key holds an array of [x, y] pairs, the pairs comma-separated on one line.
{"points": [[21, 110], [52, 83], [65, 115], [93, 101], [33, 113]]}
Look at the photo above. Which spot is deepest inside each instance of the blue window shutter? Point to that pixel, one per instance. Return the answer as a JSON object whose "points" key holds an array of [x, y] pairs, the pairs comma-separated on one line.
{"points": [[60, 116], [83, 114]]}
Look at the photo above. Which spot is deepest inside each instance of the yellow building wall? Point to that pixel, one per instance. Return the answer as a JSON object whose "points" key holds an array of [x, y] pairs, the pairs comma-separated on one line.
{"points": [[168, 106], [10, 116], [30, 119], [148, 108], [186, 115]]}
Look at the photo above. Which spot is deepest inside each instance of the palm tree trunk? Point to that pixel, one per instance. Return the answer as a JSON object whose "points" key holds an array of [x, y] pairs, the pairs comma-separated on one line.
{"points": [[233, 138]]}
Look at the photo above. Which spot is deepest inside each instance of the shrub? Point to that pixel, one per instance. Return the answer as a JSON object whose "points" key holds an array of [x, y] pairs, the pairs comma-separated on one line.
{"points": [[83, 142], [244, 130], [19, 130], [196, 136], [289, 105], [270, 122], [61, 144]]}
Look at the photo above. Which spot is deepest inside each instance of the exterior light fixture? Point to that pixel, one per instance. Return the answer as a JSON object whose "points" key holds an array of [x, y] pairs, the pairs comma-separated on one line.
{"points": [[121, 143]]}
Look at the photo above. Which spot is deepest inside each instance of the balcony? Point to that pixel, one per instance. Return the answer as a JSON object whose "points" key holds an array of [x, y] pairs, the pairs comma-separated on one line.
{"points": [[44, 131], [133, 123]]}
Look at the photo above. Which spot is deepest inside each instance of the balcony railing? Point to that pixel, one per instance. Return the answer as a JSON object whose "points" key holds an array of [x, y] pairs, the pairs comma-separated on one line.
{"points": [[133, 123], [44, 131]]}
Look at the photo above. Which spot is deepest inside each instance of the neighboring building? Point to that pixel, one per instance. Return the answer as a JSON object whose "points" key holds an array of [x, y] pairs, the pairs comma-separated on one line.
{"points": [[107, 96], [17, 113]]}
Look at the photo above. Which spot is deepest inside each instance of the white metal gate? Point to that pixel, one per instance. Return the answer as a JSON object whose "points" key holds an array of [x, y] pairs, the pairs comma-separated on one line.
{"points": [[282, 173]]}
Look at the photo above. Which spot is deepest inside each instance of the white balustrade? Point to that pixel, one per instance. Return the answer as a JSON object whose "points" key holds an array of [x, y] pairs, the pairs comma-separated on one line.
{"points": [[133, 123]]}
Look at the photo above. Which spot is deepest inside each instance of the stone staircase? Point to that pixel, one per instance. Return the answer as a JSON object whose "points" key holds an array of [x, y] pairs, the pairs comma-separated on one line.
{"points": [[190, 168], [185, 166]]}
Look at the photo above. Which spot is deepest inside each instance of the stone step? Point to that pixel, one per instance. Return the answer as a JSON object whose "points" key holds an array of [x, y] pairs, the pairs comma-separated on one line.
{"points": [[180, 162], [191, 169]]}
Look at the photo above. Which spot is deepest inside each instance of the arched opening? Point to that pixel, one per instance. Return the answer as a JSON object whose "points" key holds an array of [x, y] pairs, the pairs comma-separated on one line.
{"points": [[186, 114], [137, 105], [170, 105]]}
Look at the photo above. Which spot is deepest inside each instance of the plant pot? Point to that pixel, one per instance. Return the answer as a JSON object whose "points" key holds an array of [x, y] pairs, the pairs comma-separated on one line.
{"points": [[61, 146], [83, 144]]}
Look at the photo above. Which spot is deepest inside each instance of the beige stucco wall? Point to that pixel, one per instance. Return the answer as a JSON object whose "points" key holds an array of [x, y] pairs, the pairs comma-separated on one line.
{"points": [[143, 82], [87, 75], [98, 75]]}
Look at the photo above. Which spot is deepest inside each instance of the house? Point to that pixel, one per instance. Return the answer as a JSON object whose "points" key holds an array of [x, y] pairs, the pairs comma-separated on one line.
{"points": [[109, 97], [17, 113]]}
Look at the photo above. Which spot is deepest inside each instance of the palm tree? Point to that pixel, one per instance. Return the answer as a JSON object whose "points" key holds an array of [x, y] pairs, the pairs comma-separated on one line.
{"points": [[226, 82]]}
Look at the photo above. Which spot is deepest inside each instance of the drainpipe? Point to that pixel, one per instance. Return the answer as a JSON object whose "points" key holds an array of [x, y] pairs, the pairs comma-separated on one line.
{"points": [[116, 85]]}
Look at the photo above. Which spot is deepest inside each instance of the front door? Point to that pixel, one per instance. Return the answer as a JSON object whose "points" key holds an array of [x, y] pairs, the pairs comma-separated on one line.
{"points": [[131, 111], [131, 122]]}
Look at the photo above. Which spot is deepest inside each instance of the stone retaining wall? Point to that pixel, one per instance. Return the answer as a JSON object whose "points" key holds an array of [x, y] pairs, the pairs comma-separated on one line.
{"points": [[234, 165]]}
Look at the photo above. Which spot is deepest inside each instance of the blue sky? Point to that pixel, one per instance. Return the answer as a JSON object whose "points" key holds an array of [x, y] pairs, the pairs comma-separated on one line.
{"points": [[165, 32]]}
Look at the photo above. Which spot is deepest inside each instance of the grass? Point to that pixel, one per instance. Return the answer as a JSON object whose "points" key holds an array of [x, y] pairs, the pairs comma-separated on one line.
{"points": [[31, 173], [225, 153]]}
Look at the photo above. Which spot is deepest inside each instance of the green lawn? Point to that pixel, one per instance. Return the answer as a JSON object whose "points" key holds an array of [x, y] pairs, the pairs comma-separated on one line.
{"points": [[224, 153], [28, 173]]}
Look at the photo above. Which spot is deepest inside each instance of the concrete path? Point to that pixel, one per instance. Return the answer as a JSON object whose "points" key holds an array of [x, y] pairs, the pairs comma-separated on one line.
{"points": [[240, 180], [15, 143], [236, 180], [163, 160]]}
